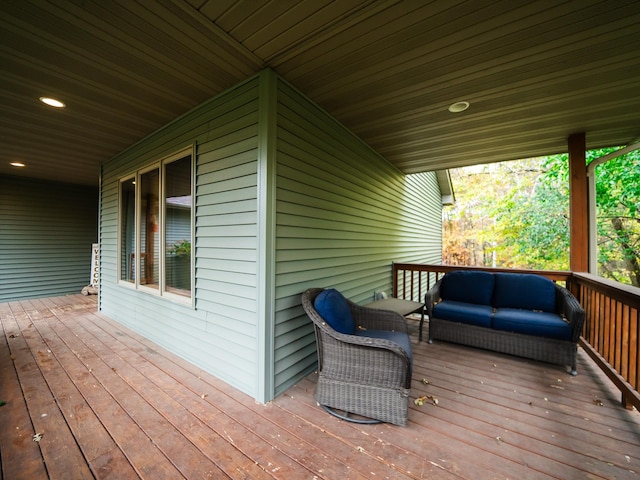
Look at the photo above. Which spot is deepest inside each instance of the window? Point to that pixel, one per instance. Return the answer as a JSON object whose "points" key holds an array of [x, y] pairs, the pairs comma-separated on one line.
{"points": [[177, 225], [156, 225], [127, 216]]}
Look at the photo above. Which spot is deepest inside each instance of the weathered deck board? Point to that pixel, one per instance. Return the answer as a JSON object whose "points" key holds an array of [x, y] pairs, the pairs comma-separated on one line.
{"points": [[119, 406]]}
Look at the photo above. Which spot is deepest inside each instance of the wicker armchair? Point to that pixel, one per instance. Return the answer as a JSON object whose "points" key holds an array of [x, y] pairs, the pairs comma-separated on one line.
{"points": [[361, 374]]}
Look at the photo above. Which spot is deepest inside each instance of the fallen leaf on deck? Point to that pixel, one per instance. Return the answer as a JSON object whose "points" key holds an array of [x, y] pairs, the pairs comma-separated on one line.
{"points": [[425, 381], [37, 437], [598, 402], [422, 400]]}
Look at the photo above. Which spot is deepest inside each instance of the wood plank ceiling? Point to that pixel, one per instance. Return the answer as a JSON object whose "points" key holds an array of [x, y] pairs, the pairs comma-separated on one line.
{"points": [[534, 72]]}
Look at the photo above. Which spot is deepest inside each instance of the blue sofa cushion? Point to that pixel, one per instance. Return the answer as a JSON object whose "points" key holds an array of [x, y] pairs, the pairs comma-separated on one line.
{"points": [[464, 313], [400, 338], [334, 309], [467, 286], [541, 324], [525, 291]]}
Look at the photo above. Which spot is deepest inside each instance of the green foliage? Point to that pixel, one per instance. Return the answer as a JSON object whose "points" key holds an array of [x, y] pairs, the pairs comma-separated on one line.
{"points": [[180, 248], [618, 204], [516, 214]]}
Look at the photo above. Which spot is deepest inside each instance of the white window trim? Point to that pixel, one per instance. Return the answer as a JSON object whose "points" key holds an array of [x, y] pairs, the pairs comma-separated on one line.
{"points": [[161, 291]]}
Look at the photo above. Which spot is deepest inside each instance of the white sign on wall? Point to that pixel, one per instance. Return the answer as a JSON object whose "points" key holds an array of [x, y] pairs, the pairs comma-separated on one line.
{"points": [[95, 265]]}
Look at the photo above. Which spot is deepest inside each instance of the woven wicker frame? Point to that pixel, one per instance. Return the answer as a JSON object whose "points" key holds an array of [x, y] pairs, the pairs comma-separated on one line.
{"points": [[559, 352], [364, 376]]}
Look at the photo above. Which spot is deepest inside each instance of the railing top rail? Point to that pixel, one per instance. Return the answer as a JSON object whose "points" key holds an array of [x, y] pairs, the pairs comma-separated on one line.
{"points": [[625, 293], [556, 275]]}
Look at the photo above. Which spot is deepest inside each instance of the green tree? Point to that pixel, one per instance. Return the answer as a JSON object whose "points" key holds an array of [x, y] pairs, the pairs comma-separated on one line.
{"points": [[516, 215], [485, 225], [534, 226], [617, 210], [618, 213]]}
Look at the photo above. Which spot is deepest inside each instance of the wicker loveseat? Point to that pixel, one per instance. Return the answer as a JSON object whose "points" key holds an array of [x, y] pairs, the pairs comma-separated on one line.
{"points": [[364, 358], [520, 314]]}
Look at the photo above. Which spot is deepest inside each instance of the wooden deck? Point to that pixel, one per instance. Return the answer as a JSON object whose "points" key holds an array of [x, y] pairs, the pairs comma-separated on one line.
{"points": [[108, 403]]}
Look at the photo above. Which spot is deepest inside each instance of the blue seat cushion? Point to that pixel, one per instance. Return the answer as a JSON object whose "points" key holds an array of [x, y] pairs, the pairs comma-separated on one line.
{"points": [[400, 338], [541, 324], [334, 309], [525, 291], [468, 313], [467, 286]]}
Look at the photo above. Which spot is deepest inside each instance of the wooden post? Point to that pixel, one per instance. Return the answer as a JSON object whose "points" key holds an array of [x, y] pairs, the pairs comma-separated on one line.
{"points": [[578, 200]]}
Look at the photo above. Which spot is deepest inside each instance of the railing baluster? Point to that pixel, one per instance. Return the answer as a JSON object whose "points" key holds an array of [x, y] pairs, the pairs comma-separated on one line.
{"points": [[634, 343], [625, 356]]}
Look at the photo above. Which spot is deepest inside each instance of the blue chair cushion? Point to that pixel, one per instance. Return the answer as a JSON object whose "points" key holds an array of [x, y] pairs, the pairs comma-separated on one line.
{"points": [[400, 338], [334, 309], [468, 313], [541, 324], [467, 286], [525, 291]]}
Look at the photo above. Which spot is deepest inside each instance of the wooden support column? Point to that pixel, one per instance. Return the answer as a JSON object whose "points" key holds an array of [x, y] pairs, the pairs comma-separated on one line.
{"points": [[578, 208]]}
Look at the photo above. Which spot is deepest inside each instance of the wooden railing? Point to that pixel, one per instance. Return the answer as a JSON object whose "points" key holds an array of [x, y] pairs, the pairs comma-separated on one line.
{"points": [[610, 334], [412, 280], [612, 318]]}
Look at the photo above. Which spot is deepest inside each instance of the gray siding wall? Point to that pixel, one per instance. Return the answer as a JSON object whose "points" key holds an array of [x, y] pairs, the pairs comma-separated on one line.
{"points": [[344, 214], [46, 232], [219, 332]]}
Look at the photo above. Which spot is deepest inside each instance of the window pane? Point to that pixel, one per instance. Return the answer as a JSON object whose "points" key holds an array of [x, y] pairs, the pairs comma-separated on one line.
{"points": [[149, 236], [178, 226], [127, 230]]}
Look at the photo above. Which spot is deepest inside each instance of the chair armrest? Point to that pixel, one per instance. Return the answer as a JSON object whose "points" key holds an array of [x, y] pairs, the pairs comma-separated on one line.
{"points": [[375, 319], [568, 306], [432, 297]]}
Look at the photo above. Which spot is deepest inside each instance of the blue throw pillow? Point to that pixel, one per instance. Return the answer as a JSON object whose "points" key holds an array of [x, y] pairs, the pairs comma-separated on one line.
{"points": [[334, 309], [467, 286], [525, 291]]}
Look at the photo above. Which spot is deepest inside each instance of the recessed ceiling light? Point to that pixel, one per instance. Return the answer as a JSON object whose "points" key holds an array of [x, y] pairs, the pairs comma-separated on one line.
{"points": [[52, 102], [17, 164], [458, 107]]}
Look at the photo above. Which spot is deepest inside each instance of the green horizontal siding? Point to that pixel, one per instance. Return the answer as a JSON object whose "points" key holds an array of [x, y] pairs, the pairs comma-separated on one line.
{"points": [[46, 233], [343, 215], [340, 216], [219, 334]]}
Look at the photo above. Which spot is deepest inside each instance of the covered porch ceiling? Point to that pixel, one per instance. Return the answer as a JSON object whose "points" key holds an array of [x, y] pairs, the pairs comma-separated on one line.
{"points": [[533, 72]]}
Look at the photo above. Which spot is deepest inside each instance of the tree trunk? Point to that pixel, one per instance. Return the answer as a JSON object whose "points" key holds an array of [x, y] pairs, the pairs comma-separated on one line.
{"points": [[630, 259]]}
